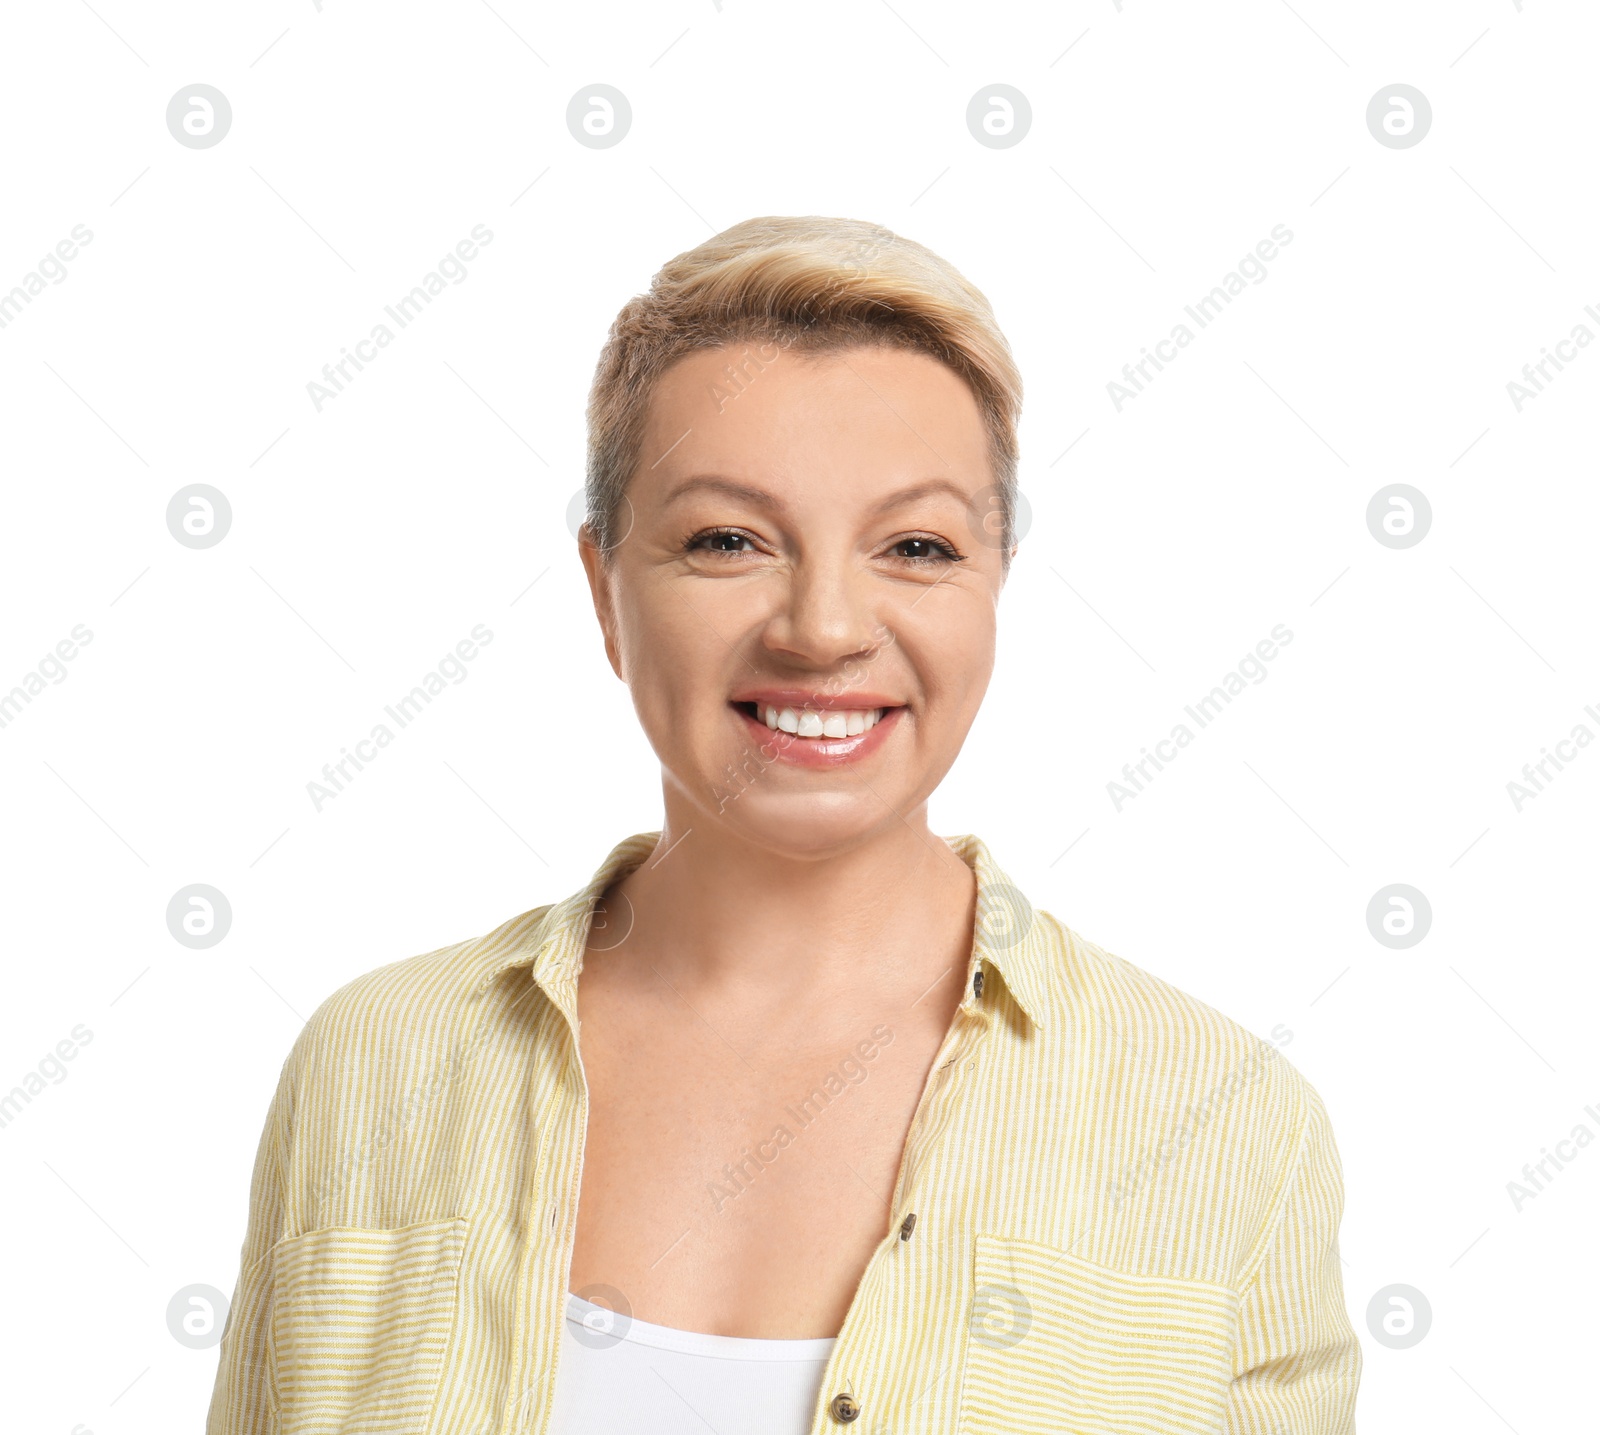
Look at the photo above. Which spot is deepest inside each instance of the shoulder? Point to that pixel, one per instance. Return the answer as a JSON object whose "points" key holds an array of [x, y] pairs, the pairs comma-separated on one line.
{"points": [[1174, 1067], [407, 1011], [401, 1059]]}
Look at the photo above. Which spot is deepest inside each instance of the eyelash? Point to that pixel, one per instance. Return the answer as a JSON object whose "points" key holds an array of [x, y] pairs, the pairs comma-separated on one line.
{"points": [[944, 552]]}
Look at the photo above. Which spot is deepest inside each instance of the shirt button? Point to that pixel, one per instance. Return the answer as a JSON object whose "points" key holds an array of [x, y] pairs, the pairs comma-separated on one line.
{"points": [[977, 983], [844, 1408], [907, 1226]]}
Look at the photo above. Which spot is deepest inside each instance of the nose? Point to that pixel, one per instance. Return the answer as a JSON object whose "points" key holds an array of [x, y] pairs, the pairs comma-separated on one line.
{"points": [[826, 615]]}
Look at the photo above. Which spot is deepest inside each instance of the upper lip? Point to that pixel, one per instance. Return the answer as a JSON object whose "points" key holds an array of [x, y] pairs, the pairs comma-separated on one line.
{"points": [[797, 698]]}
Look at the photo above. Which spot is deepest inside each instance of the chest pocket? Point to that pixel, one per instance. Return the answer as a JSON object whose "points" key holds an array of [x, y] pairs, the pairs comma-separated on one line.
{"points": [[360, 1323], [1058, 1343]]}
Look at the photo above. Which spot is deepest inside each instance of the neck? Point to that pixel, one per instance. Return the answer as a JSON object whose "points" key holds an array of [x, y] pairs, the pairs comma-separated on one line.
{"points": [[714, 912]]}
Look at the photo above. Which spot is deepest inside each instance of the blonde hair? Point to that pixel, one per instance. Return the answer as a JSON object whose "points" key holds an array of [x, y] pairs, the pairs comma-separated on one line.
{"points": [[813, 284]]}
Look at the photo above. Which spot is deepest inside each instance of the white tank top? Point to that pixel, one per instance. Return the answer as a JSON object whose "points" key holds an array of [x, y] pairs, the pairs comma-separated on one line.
{"points": [[628, 1375]]}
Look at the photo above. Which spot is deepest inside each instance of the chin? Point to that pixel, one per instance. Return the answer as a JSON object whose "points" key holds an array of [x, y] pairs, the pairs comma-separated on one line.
{"points": [[807, 826]]}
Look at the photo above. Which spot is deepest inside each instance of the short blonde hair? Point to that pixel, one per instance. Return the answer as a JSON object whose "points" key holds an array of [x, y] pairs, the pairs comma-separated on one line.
{"points": [[815, 285]]}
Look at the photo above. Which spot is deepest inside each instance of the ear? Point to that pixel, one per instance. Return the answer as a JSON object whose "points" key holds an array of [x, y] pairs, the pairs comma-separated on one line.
{"points": [[601, 577]]}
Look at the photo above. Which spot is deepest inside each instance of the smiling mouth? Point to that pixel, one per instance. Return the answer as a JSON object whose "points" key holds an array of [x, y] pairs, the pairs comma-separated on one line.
{"points": [[804, 722]]}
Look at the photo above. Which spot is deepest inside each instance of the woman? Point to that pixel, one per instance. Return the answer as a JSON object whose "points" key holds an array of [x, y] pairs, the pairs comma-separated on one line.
{"points": [[855, 1133]]}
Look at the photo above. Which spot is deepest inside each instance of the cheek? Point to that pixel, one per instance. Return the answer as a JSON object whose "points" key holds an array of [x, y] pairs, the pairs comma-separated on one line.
{"points": [[673, 660], [954, 661]]}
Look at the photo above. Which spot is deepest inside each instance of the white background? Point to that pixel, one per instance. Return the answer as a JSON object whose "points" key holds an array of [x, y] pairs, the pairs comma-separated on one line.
{"points": [[1167, 539]]}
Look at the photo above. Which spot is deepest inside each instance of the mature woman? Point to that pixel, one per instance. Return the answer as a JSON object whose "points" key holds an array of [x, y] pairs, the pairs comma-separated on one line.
{"points": [[852, 1132]]}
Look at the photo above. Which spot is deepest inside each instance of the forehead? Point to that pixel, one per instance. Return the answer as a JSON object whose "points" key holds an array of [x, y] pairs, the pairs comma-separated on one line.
{"points": [[862, 416]]}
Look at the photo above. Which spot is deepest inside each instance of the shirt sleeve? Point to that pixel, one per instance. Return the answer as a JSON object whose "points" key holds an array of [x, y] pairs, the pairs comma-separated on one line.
{"points": [[243, 1399], [1299, 1362]]}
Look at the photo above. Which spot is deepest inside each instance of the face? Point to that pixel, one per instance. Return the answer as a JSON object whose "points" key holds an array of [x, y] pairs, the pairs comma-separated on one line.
{"points": [[803, 606]]}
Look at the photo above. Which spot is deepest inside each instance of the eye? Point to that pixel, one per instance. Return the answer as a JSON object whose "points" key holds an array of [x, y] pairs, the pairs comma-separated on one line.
{"points": [[917, 550], [719, 540], [924, 551]]}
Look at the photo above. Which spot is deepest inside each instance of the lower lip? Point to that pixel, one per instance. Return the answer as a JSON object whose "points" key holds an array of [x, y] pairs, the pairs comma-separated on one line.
{"points": [[824, 752]]}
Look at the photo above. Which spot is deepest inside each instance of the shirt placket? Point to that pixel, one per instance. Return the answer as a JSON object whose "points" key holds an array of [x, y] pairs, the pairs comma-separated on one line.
{"points": [[849, 1392], [553, 1205], [551, 1231]]}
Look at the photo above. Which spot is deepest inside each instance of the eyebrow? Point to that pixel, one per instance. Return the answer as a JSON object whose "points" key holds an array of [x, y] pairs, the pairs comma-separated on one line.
{"points": [[761, 498]]}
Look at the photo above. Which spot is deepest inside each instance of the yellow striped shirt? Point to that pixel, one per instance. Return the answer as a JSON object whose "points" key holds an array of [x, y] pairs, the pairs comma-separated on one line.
{"points": [[1127, 1207]]}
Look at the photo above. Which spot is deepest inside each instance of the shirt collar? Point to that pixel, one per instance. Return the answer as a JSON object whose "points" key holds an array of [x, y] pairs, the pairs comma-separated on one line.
{"points": [[1006, 932]]}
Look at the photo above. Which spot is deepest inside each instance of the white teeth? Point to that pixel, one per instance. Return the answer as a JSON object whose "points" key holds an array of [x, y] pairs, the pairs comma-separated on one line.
{"points": [[812, 722]]}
